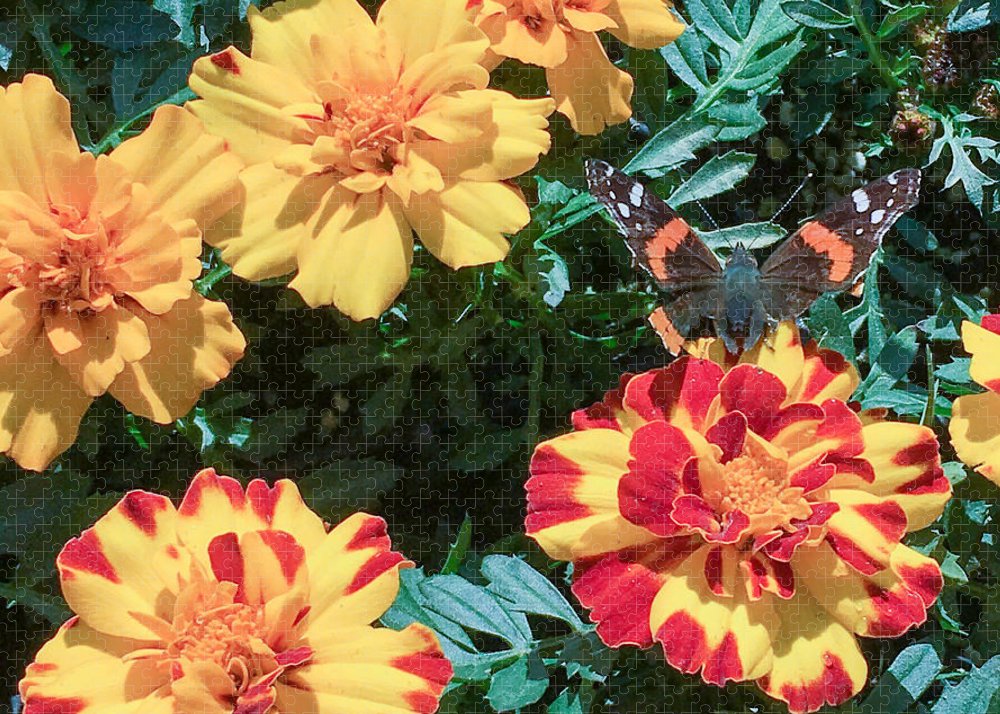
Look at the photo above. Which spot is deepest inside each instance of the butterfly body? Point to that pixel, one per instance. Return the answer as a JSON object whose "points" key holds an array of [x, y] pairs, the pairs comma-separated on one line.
{"points": [[826, 254]]}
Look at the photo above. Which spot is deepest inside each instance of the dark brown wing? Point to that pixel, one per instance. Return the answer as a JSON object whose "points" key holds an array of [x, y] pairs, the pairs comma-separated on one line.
{"points": [[830, 252], [661, 241]]}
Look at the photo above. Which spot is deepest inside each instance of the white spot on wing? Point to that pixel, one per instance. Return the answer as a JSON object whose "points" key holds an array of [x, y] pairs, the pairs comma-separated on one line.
{"points": [[624, 209], [891, 179], [877, 216], [888, 204], [635, 194], [860, 200], [859, 231], [609, 171], [614, 196]]}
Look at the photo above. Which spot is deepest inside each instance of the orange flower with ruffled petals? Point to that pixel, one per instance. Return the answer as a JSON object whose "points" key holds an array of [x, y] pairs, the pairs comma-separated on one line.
{"points": [[360, 134], [97, 259], [561, 36], [975, 418], [234, 603], [743, 515]]}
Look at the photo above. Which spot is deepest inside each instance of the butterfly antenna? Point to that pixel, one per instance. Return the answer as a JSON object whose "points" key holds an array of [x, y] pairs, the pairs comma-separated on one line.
{"points": [[796, 192], [715, 226]]}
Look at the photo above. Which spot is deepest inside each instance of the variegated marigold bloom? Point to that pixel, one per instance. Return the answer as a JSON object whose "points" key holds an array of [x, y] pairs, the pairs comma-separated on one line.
{"points": [[975, 418], [561, 36], [97, 259], [360, 133], [237, 602], [744, 516]]}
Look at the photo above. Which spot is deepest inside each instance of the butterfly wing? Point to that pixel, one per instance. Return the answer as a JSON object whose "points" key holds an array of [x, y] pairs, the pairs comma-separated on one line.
{"points": [[830, 252], [663, 244]]}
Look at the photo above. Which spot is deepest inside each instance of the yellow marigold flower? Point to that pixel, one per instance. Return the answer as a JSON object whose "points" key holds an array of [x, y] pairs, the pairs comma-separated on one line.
{"points": [[359, 133], [743, 515], [237, 602], [561, 36], [97, 258], [975, 418]]}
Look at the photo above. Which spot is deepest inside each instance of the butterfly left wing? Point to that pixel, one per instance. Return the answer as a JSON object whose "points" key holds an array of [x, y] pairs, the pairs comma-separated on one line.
{"points": [[830, 252]]}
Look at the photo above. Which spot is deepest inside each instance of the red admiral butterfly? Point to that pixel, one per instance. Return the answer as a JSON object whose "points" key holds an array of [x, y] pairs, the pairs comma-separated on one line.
{"points": [[827, 254]]}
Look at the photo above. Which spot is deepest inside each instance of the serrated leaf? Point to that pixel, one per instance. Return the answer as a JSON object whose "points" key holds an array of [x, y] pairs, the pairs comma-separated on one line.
{"points": [[752, 235], [973, 694], [527, 589], [830, 328], [739, 120], [905, 680], [475, 608], [517, 686], [718, 175], [815, 14], [958, 138], [900, 17], [674, 145], [970, 15]]}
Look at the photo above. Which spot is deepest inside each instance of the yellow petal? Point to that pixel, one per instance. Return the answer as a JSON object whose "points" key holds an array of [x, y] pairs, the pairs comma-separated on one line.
{"points": [[356, 256], [203, 687], [573, 509], [81, 670], [508, 148], [423, 27], [354, 574], [108, 340], [122, 576], [20, 317], [40, 405], [587, 21], [75, 180], [261, 239], [464, 224], [214, 505], [190, 173], [975, 432], [364, 670], [242, 100], [34, 128], [192, 347], [984, 346], [461, 116], [590, 91], [545, 45], [646, 24]]}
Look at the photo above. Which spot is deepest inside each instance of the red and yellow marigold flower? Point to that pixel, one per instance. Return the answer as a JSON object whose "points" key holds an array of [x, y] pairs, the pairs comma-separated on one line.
{"points": [[744, 516], [97, 259], [975, 418], [561, 36], [237, 602], [358, 134]]}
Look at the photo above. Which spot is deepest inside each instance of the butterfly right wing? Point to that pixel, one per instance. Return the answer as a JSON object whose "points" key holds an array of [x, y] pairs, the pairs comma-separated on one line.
{"points": [[662, 242]]}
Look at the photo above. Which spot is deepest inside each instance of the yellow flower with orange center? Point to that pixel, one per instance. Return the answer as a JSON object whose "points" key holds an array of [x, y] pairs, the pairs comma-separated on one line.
{"points": [[561, 36], [975, 418], [97, 259], [358, 134], [742, 514], [237, 602]]}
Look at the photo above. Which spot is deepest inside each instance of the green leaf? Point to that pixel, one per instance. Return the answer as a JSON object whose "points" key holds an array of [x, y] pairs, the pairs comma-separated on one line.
{"points": [[456, 554], [962, 143], [752, 235], [518, 685], [893, 362], [740, 120], [52, 608], [526, 589], [956, 371], [900, 17], [916, 234], [815, 14], [973, 694], [830, 328], [718, 175], [674, 145], [568, 702], [906, 679], [970, 15], [122, 25]]}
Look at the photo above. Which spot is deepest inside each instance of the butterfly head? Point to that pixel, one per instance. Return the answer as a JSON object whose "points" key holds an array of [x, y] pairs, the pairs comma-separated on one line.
{"points": [[741, 258]]}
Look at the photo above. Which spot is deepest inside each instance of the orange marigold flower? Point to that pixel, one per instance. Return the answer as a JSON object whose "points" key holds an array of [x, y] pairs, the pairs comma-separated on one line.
{"points": [[236, 602], [360, 133], [97, 259], [743, 515], [561, 36], [975, 418]]}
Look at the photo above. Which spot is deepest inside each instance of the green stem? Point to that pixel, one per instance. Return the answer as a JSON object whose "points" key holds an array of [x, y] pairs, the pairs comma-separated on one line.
{"points": [[872, 45], [113, 137]]}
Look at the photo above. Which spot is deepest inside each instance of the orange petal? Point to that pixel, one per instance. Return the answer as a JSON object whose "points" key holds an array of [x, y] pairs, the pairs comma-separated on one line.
{"points": [[589, 90], [34, 128], [105, 342], [647, 24], [81, 670], [192, 347], [203, 687], [190, 174], [40, 405]]}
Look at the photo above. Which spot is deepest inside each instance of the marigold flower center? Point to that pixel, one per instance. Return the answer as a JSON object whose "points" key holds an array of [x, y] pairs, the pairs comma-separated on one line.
{"points": [[752, 483], [72, 278], [222, 635], [369, 128]]}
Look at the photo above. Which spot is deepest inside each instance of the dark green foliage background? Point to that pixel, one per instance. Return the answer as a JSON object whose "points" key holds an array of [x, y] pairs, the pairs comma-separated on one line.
{"points": [[428, 416]]}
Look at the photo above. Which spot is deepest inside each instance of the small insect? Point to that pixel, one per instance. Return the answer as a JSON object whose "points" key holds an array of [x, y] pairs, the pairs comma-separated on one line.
{"points": [[826, 254]]}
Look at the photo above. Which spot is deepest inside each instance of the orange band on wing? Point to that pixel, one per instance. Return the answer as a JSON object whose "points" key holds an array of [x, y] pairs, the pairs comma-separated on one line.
{"points": [[664, 242], [823, 240]]}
